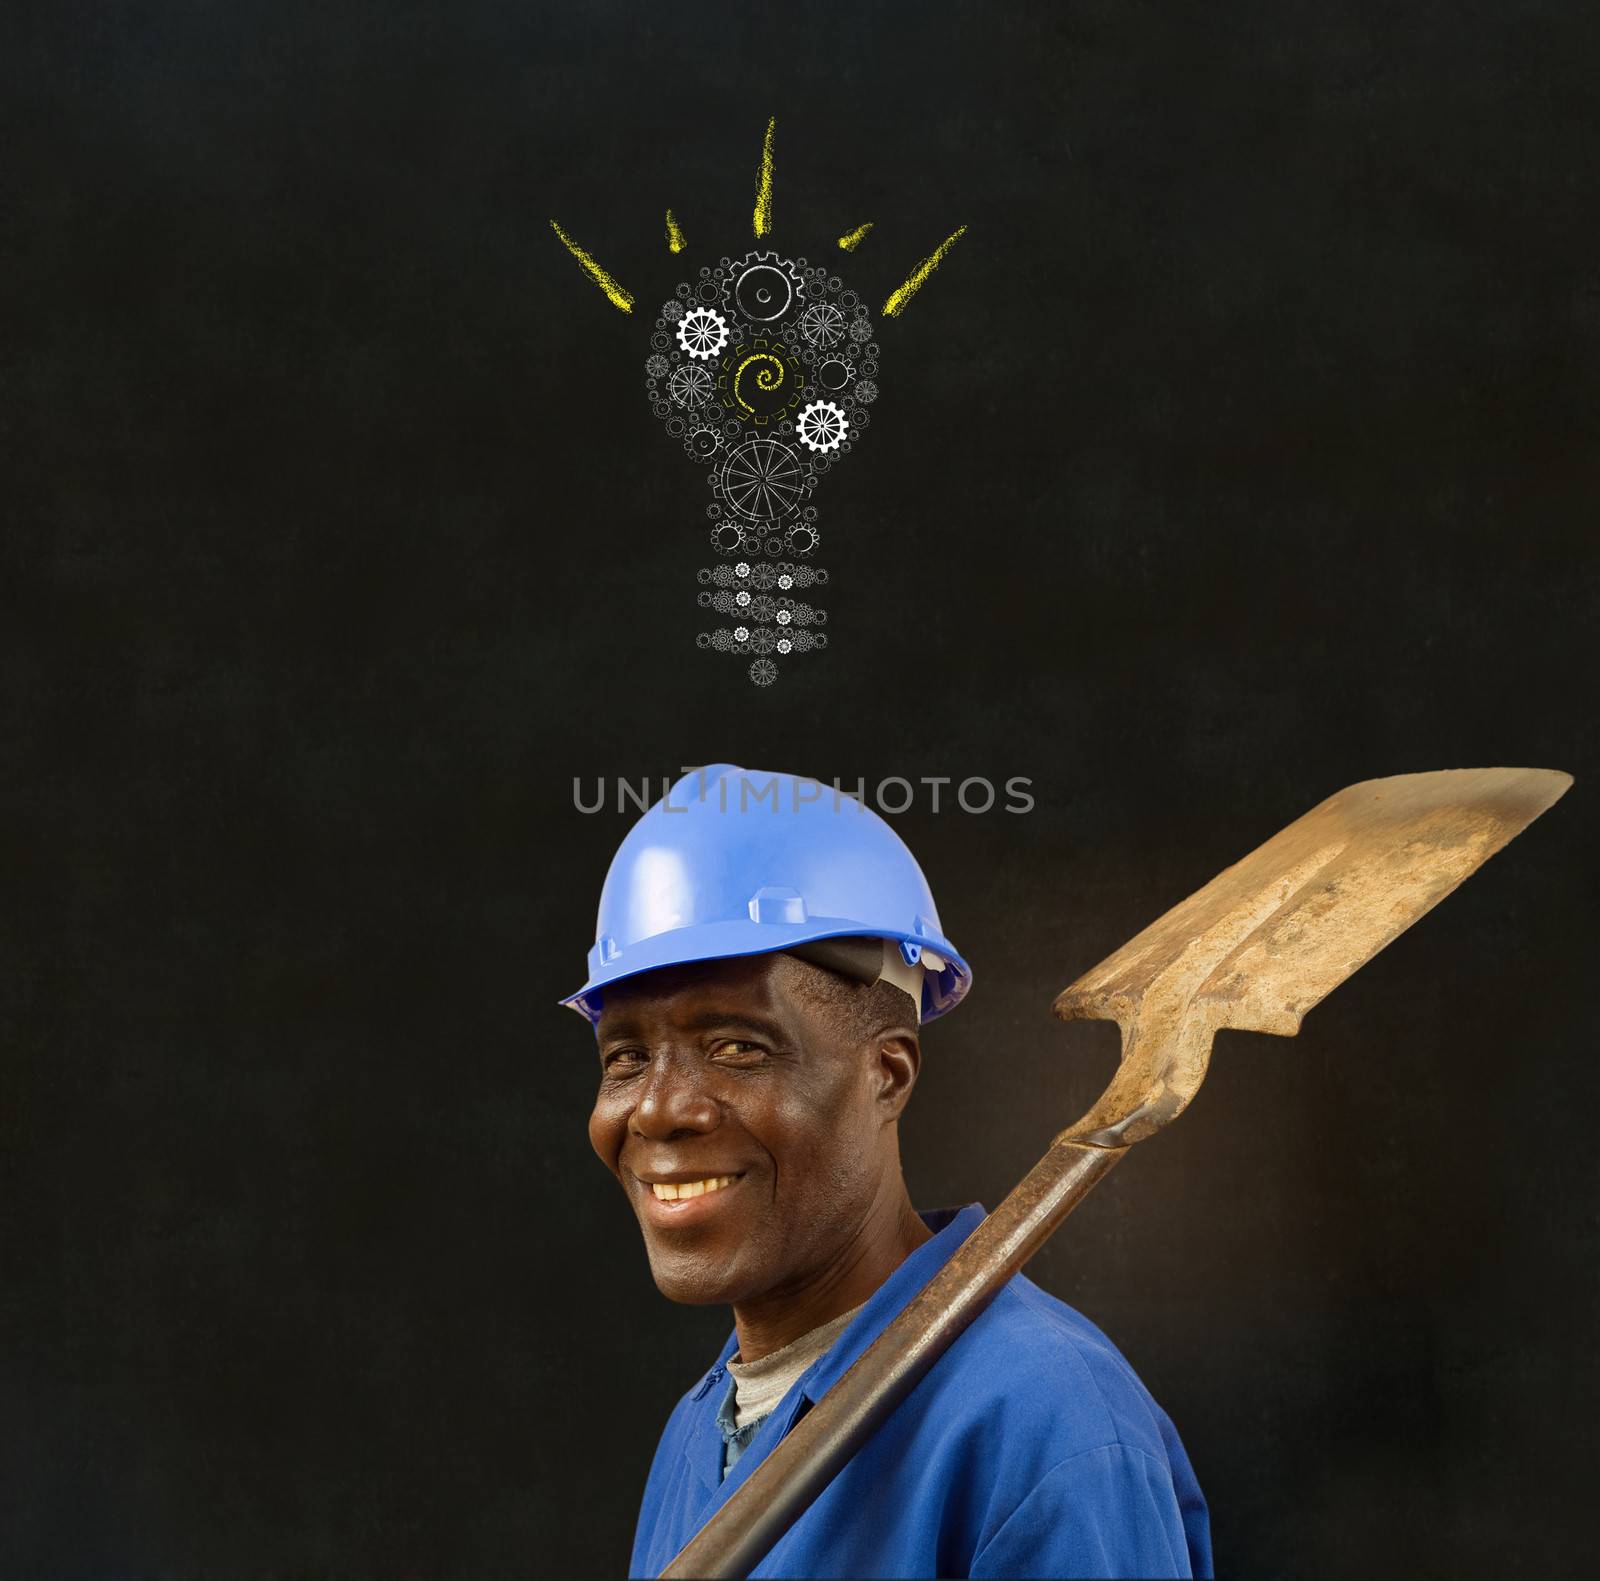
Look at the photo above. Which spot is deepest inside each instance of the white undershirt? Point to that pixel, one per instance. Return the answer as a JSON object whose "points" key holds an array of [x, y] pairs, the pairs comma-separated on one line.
{"points": [[759, 1385]]}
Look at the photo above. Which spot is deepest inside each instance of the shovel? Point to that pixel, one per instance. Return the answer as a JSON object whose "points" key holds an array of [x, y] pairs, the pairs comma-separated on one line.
{"points": [[1254, 950]]}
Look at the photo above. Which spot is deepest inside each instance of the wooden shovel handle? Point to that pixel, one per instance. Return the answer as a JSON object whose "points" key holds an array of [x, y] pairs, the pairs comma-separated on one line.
{"points": [[734, 1540]]}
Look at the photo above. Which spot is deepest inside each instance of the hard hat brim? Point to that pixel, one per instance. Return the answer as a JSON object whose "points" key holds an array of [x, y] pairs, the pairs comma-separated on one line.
{"points": [[713, 941]]}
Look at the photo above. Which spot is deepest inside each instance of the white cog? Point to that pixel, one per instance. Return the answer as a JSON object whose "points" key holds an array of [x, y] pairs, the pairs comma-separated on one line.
{"points": [[691, 385], [702, 332], [764, 287], [821, 426], [823, 325]]}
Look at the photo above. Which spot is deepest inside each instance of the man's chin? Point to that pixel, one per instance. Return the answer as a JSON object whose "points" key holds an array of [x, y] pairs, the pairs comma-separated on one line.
{"points": [[693, 1281], [691, 1295]]}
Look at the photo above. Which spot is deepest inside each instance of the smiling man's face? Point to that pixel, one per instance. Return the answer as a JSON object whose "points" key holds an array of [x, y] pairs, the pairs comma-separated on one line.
{"points": [[742, 1068]]}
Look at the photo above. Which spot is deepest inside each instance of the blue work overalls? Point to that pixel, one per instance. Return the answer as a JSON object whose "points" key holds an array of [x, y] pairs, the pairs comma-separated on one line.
{"points": [[1029, 1449]]}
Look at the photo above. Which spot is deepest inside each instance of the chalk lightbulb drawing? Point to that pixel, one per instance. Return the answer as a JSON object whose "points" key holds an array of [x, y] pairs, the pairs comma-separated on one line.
{"points": [[764, 369]]}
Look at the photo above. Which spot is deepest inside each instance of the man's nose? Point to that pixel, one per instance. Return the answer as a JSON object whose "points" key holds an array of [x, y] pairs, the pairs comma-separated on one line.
{"points": [[674, 1101]]}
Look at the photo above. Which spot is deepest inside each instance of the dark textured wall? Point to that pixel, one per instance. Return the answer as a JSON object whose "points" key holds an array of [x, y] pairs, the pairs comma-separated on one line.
{"points": [[1244, 448]]}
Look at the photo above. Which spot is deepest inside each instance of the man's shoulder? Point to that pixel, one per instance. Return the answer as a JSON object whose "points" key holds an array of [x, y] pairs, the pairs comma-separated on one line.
{"points": [[1030, 1368], [1044, 1370]]}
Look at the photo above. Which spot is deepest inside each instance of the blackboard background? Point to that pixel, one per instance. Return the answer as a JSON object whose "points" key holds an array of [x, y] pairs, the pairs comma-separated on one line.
{"points": [[1241, 450]]}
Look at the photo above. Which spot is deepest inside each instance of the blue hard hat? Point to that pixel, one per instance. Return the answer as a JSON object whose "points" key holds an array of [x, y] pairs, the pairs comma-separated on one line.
{"points": [[734, 861]]}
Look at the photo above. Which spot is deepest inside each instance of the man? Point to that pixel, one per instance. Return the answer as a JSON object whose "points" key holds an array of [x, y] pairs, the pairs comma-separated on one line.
{"points": [[766, 952]]}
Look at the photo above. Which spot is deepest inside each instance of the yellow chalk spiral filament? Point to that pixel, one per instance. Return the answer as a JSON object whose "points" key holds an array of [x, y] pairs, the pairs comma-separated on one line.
{"points": [[769, 375]]}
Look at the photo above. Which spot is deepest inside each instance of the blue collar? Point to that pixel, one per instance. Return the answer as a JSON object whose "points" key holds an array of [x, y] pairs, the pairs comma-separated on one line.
{"points": [[950, 1226]]}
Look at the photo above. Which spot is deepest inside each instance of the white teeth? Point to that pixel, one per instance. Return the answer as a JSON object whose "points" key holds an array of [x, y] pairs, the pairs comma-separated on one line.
{"points": [[668, 1191]]}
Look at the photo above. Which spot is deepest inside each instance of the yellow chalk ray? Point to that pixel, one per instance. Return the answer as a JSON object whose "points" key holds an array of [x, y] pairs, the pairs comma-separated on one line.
{"points": [[676, 241], [853, 239], [618, 295], [913, 282], [763, 214]]}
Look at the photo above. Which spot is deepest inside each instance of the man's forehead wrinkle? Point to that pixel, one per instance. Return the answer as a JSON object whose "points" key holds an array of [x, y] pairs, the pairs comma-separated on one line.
{"points": [[731, 1013], [616, 1024], [695, 1006], [784, 998]]}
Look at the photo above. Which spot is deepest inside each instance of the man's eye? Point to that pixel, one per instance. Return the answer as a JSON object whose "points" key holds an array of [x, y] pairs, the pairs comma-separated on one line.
{"points": [[738, 1047], [623, 1059]]}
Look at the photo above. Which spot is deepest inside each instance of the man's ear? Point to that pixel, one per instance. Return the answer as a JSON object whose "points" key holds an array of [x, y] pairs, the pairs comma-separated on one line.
{"points": [[898, 1058]]}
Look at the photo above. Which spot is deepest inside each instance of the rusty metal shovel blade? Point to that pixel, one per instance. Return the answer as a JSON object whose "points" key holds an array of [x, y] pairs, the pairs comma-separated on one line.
{"points": [[1277, 932], [1255, 949]]}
